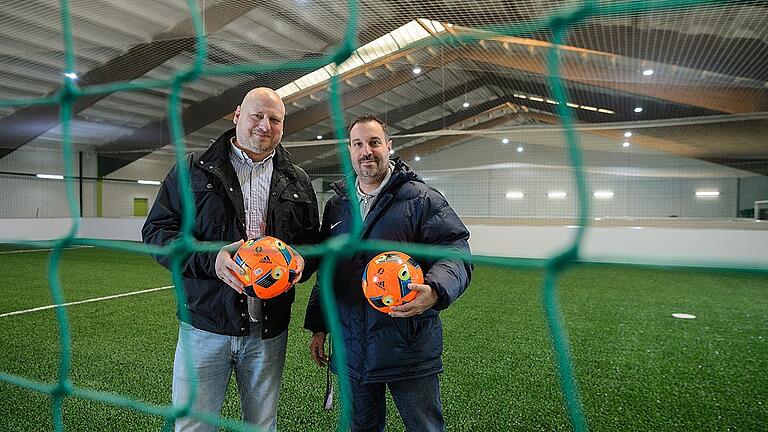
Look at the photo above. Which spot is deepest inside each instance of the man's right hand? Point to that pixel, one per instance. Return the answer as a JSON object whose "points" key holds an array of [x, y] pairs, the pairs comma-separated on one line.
{"points": [[225, 266], [317, 349]]}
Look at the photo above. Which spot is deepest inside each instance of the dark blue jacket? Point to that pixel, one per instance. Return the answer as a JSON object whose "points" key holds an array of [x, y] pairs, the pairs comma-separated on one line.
{"points": [[380, 348]]}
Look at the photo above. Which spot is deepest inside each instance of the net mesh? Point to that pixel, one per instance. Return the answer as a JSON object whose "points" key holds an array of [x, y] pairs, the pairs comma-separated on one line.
{"points": [[185, 79]]}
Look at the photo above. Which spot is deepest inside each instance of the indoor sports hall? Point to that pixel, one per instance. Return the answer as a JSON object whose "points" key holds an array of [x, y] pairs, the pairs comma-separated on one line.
{"points": [[609, 159]]}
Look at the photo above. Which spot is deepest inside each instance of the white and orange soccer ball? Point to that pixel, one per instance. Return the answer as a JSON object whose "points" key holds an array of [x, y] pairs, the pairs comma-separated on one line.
{"points": [[270, 267], [386, 279]]}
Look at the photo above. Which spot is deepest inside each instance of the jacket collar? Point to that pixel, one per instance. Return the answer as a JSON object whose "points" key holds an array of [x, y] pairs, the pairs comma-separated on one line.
{"points": [[217, 156], [401, 173]]}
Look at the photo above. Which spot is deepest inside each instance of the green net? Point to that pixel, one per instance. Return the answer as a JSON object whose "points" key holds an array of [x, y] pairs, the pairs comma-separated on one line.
{"points": [[555, 24]]}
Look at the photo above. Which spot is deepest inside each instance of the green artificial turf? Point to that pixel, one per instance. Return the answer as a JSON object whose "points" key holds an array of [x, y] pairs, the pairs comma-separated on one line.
{"points": [[638, 368]]}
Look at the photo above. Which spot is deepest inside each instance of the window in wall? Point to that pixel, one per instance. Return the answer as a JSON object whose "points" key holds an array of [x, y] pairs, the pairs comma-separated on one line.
{"points": [[140, 206]]}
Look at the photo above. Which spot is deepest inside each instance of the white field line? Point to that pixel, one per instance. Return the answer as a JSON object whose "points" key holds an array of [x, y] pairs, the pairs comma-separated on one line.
{"points": [[85, 301], [40, 250]]}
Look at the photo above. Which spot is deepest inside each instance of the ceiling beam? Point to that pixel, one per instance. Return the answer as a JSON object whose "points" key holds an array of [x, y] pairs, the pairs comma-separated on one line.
{"points": [[156, 135], [28, 123], [706, 149], [398, 114], [441, 142], [322, 111], [312, 159], [722, 99]]}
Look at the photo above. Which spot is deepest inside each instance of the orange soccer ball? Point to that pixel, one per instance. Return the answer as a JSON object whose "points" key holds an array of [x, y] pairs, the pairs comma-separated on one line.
{"points": [[270, 267], [386, 279]]}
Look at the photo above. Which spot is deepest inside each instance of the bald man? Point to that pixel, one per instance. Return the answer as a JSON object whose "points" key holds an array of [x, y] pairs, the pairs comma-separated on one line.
{"points": [[245, 187]]}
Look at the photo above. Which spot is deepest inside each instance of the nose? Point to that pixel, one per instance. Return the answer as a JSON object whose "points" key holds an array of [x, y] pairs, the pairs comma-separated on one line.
{"points": [[264, 125]]}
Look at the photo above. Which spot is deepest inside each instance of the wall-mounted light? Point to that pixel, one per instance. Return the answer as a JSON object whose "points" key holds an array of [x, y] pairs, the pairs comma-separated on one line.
{"points": [[625, 144], [50, 176], [627, 134], [556, 194], [505, 141], [514, 195], [520, 149], [417, 158], [603, 194], [707, 194]]}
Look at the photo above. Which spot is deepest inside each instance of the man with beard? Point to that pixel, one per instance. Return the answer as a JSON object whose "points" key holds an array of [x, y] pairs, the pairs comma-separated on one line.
{"points": [[401, 350], [244, 187]]}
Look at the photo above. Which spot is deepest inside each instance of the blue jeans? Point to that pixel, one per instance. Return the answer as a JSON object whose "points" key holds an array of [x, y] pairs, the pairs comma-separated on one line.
{"points": [[258, 366], [417, 401]]}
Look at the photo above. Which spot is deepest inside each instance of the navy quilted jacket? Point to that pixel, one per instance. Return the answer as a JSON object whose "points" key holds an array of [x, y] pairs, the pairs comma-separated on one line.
{"points": [[381, 348]]}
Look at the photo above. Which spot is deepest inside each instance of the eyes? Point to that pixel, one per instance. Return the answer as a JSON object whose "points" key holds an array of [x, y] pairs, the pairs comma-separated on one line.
{"points": [[273, 120], [375, 142]]}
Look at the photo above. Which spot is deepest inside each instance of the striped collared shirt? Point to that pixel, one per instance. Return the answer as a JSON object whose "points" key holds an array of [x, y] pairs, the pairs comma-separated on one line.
{"points": [[255, 178]]}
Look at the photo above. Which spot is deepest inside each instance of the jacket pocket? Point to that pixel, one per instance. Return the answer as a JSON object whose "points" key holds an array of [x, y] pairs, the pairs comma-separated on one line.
{"points": [[293, 214]]}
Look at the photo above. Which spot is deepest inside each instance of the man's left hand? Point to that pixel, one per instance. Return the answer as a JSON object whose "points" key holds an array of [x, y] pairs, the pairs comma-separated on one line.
{"points": [[299, 266], [426, 299]]}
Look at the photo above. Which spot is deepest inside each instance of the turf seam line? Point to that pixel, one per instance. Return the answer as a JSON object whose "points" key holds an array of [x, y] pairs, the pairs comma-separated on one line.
{"points": [[42, 250], [41, 308]]}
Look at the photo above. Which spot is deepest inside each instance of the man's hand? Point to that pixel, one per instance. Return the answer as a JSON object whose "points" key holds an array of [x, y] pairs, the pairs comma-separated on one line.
{"points": [[317, 349], [225, 266], [299, 266], [426, 299]]}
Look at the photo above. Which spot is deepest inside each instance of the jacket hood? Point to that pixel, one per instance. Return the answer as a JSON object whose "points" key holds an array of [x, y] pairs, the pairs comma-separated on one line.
{"points": [[401, 173]]}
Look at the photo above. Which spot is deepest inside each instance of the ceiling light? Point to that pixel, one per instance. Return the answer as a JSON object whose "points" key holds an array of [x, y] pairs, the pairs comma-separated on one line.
{"points": [[535, 98], [553, 102], [149, 182], [606, 111], [519, 149], [625, 144], [707, 194], [627, 134], [572, 105], [70, 75], [416, 70], [588, 108], [648, 72], [603, 194], [556, 194], [505, 141], [514, 195], [417, 158], [319, 137], [465, 104], [50, 176], [638, 109]]}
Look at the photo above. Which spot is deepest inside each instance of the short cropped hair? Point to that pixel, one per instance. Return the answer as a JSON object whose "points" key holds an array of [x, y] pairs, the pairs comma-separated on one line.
{"points": [[365, 118]]}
